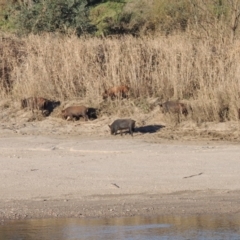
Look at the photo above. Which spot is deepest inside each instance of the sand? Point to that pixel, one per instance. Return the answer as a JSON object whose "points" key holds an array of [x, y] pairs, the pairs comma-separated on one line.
{"points": [[52, 168]]}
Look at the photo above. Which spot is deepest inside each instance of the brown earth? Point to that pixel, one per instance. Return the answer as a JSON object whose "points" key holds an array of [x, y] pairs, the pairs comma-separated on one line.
{"points": [[51, 167]]}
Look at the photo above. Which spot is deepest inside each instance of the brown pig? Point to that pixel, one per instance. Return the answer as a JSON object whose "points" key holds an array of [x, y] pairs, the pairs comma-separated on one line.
{"points": [[174, 107], [32, 103], [75, 112], [116, 92]]}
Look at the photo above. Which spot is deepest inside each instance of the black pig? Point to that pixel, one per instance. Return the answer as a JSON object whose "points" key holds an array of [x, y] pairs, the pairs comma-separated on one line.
{"points": [[121, 124]]}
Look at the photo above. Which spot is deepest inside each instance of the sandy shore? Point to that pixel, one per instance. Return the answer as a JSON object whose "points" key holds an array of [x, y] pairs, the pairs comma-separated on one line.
{"points": [[51, 175]]}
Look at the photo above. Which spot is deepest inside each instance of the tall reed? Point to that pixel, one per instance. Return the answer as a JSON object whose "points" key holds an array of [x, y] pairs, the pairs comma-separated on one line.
{"points": [[203, 73]]}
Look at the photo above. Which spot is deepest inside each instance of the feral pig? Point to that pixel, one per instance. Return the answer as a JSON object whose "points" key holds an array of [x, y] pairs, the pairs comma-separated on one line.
{"points": [[121, 124], [223, 113], [116, 92], [93, 113], [75, 112], [174, 107], [50, 105], [32, 103]]}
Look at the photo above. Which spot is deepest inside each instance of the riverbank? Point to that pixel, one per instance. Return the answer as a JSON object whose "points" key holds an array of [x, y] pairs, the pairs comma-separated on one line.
{"points": [[85, 176]]}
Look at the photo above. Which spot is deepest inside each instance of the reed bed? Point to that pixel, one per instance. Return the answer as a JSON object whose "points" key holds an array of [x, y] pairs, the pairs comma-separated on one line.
{"points": [[202, 73]]}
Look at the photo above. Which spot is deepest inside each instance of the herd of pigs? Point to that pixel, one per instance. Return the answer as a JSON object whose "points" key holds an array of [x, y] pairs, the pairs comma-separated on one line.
{"points": [[75, 112]]}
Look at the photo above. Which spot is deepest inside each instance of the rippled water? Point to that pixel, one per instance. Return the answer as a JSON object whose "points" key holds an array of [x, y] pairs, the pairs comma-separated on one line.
{"points": [[134, 228]]}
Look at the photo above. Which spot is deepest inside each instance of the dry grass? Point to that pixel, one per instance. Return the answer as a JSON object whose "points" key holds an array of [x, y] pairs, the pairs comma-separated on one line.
{"points": [[203, 74]]}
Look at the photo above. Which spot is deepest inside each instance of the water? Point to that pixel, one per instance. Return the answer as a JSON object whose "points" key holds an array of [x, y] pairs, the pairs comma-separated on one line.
{"points": [[134, 228]]}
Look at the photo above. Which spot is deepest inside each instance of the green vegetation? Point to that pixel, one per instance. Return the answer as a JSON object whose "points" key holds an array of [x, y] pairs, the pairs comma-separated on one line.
{"points": [[202, 18], [105, 16], [50, 16]]}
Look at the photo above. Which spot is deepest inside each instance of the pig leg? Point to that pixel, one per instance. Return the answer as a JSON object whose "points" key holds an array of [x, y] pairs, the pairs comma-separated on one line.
{"points": [[70, 117], [131, 131], [86, 117]]}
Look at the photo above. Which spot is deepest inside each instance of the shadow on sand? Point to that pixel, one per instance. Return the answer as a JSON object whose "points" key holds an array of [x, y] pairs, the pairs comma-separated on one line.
{"points": [[149, 128]]}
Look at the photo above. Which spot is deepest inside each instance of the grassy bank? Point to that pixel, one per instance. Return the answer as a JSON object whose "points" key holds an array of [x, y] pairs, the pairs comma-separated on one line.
{"points": [[204, 74]]}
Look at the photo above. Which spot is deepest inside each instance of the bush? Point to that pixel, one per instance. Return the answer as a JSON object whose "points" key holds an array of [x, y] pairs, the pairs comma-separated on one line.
{"points": [[106, 17], [148, 17], [51, 16]]}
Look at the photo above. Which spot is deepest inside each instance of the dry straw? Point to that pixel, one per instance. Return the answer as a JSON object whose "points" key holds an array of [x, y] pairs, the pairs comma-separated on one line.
{"points": [[175, 67]]}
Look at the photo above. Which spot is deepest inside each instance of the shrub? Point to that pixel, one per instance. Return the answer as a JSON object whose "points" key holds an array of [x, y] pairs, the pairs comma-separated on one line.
{"points": [[105, 17], [51, 16]]}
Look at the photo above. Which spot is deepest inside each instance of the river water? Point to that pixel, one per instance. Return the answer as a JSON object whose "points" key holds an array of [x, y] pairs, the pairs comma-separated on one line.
{"points": [[135, 228]]}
